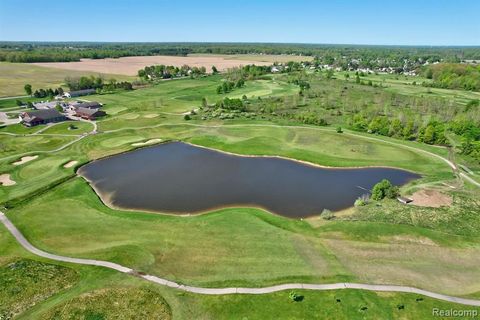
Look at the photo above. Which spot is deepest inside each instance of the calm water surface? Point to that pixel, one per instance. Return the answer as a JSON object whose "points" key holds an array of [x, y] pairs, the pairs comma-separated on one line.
{"points": [[181, 178]]}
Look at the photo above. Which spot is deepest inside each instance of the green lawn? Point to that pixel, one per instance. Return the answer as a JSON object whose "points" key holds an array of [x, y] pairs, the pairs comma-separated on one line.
{"points": [[104, 294]]}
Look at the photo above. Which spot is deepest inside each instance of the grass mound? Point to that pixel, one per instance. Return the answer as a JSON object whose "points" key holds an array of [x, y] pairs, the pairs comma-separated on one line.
{"points": [[23, 283], [113, 303]]}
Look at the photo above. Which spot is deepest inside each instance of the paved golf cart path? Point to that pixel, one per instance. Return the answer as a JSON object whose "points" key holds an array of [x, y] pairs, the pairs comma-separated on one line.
{"points": [[217, 291]]}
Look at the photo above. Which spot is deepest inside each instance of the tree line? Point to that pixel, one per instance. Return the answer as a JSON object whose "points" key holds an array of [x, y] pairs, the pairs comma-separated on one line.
{"points": [[157, 72], [97, 83], [338, 55]]}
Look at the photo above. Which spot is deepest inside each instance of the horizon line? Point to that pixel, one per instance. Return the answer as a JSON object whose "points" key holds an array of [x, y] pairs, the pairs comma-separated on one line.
{"points": [[246, 42]]}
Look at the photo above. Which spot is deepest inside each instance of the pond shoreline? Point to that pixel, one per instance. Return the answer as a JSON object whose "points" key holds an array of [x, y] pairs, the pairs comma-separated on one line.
{"points": [[304, 189]]}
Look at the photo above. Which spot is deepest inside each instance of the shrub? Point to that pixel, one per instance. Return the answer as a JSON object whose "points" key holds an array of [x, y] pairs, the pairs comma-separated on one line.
{"points": [[384, 189], [187, 117], [339, 130], [295, 297], [327, 214], [362, 200]]}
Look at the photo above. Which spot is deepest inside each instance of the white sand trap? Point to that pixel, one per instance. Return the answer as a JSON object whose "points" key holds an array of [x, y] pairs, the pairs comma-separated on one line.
{"points": [[24, 160], [151, 141], [149, 116], [5, 180], [70, 164]]}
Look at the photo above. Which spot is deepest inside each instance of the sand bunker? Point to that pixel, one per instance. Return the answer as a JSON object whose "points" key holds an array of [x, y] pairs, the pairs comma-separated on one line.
{"points": [[149, 116], [431, 198], [151, 141], [5, 180], [70, 164], [24, 160]]}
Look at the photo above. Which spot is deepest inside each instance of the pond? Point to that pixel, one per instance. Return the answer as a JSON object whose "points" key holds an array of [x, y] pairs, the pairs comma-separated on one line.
{"points": [[180, 178]]}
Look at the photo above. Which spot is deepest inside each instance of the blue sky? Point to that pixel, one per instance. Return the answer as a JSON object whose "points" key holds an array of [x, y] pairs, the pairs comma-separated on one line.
{"points": [[406, 22]]}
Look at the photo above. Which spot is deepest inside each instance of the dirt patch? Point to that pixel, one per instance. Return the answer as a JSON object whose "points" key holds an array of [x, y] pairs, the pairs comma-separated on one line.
{"points": [[24, 160], [70, 164], [430, 198], [151, 141], [410, 240], [5, 180], [131, 65]]}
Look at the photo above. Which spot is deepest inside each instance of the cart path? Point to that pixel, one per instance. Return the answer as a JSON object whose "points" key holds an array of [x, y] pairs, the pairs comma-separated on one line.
{"points": [[231, 290]]}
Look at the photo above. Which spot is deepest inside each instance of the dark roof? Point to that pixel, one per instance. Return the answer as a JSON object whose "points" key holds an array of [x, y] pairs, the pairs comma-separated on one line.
{"points": [[89, 105], [82, 92], [87, 111], [44, 114]]}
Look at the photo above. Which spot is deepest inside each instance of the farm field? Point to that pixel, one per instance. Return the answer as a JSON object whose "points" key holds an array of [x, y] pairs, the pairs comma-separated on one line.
{"points": [[384, 242], [129, 66], [13, 76]]}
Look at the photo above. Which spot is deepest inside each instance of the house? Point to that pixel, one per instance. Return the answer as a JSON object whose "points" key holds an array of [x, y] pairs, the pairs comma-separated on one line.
{"points": [[44, 116], [88, 105], [79, 93], [89, 113]]}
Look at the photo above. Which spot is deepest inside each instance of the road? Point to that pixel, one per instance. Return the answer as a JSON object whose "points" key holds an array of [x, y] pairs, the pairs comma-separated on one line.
{"points": [[231, 290]]}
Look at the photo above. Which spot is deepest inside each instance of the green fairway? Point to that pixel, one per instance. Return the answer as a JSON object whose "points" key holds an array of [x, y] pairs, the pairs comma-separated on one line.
{"points": [[102, 293], [384, 242]]}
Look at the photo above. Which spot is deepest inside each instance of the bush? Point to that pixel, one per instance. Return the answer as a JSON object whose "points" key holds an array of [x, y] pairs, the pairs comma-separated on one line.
{"points": [[384, 189], [363, 200], [295, 297], [339, 130], [187, 117], [327, 214]]}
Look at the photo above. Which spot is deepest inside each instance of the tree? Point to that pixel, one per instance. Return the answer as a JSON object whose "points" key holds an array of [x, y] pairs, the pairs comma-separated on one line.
{"points": [[204, 103], [28, 89], [330, 73], [357, 78], [214, 70], [339, 130], [187, 117], [59, 108], [384, 189], [295, 297]]}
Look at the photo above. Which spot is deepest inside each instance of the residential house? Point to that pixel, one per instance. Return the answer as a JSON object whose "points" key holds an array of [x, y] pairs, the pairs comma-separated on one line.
{"points": [[44, 116]]}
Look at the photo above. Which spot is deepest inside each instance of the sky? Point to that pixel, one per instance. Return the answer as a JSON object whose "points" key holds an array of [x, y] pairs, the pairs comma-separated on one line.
{"points": [[387, 22]]}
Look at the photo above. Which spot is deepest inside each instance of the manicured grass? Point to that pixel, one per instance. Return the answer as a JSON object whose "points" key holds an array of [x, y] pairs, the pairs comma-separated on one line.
{"points": [[64, 128], [13, 76], [435, 249], [99, 292], [243, 246], [347, 304]]}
